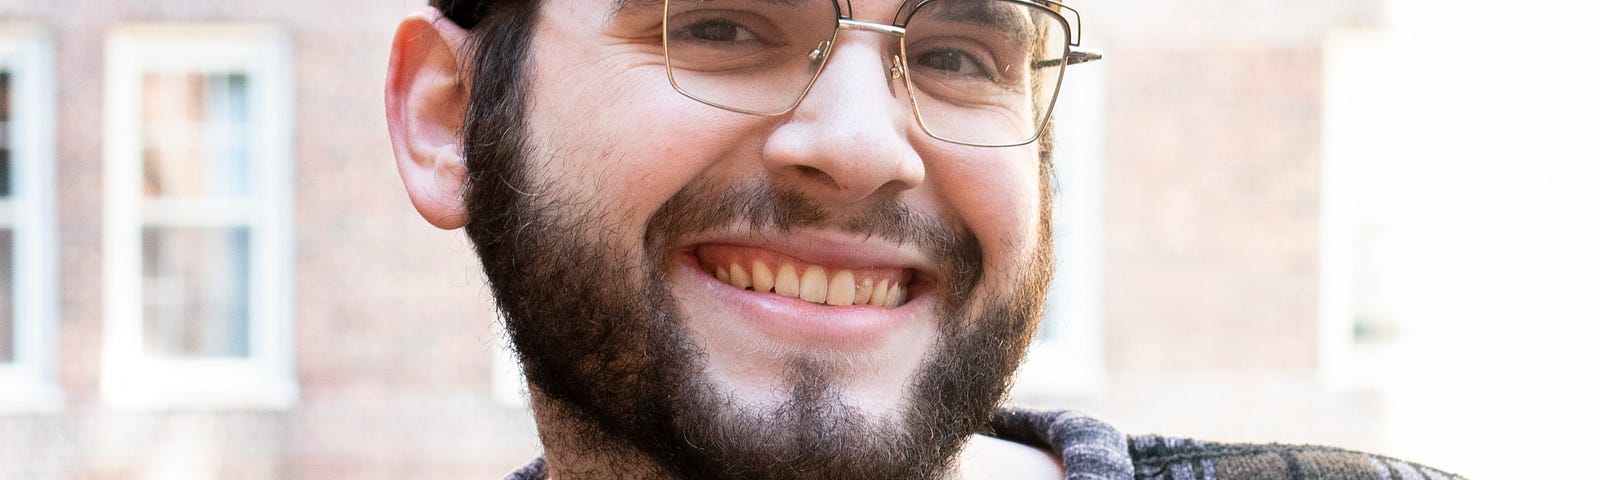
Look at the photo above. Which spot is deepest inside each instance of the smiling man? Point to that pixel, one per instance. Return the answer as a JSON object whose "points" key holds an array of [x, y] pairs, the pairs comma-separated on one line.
{"points": [[765, 238]]}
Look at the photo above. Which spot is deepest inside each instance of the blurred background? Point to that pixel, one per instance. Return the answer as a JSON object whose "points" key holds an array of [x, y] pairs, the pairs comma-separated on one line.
{"points": [[1369, 223]]}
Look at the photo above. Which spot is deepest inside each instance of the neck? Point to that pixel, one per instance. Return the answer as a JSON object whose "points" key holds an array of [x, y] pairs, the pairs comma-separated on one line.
{"points": [[576, 450], [989, 458]]}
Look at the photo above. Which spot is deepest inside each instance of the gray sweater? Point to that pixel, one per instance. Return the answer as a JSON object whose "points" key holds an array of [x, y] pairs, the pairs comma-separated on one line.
{"points": [[1093, 450]]}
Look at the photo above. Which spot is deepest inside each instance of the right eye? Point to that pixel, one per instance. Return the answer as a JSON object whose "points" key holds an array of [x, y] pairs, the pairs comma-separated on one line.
{"points": [[717, 30], [723, 29], [745, 36]]}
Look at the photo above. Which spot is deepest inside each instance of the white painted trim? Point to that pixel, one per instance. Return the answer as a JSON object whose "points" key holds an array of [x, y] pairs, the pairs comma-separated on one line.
{"points": [[265, 379], [30, 384], [1343, 363], [1069, 357]]}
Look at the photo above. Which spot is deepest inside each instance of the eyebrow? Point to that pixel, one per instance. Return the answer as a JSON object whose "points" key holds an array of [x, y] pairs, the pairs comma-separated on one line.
{"points": [[975, 13], [983, 14], [1017, 26], [619, 7], [623, 7]]}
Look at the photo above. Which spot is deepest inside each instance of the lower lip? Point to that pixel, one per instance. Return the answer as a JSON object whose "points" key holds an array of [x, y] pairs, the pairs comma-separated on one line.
{"points": [[798, 322]]}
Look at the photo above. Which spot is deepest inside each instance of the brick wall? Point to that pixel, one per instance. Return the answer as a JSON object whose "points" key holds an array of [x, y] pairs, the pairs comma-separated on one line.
{"points": [[1212, 181], [1212, 222], [393, 333], [1212, 208]]}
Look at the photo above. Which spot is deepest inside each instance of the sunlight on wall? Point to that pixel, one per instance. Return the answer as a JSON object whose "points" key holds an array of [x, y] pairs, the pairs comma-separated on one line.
{"points": [[1465, 132]]}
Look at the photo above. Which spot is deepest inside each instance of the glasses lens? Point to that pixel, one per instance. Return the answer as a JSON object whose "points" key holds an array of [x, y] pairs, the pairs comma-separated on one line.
{"points": [[756, 56], [984, 72]]}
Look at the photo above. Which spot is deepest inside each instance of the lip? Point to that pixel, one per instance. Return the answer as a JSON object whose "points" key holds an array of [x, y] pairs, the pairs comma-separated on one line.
{"points": [[828, 248], [793, 322]]}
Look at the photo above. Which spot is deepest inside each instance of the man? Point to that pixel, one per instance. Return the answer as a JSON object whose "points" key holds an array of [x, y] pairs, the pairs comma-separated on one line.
{"points": [[769, 239]]}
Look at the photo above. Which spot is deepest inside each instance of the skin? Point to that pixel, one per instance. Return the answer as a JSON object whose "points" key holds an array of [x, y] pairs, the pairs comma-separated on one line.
{"points": [[852, 142]]}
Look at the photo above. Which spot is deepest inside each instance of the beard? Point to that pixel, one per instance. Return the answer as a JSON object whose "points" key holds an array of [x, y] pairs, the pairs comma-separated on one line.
{"points": [[599, 333]]}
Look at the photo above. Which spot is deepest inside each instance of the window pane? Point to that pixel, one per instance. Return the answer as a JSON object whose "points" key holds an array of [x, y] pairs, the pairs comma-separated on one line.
{"points": [[8, 338], [195, 136], [5, 134], [196, 292]]}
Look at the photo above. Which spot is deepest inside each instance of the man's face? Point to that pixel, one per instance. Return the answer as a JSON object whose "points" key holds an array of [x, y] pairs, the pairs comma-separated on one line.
{"points": [[826, 289]]}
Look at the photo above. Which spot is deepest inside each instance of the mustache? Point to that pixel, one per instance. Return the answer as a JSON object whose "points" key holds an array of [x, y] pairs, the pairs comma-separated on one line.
{"points": [[698, 208]]}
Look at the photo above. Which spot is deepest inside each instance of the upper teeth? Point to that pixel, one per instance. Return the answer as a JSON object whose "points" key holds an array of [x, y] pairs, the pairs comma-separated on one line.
{"points": [[814, 284]]}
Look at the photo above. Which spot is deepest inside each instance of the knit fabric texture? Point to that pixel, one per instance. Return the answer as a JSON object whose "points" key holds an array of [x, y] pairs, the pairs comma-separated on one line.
{"points": [[1093, 450]]}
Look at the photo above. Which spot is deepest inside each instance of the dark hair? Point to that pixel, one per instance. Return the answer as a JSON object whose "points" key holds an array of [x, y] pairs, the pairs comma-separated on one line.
{"points": [[465, 13]]}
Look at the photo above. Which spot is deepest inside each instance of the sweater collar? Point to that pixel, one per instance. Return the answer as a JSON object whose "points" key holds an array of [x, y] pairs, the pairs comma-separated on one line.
{"points": [[1089, 448]]}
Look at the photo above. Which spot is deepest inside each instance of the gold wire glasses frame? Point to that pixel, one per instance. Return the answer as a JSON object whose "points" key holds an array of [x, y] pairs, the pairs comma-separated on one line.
{"points": [[898, 69]]}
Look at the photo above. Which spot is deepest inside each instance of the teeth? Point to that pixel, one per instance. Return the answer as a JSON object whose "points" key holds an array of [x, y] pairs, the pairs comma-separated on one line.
{"points": [[842, 289], [880, 294], [814, 285], [761, 276], [737, 277], [787, 283]]}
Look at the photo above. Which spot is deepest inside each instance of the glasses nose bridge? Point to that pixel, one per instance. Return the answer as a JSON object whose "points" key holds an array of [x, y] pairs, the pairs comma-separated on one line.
{"points": [[851, 24], [899, 33]]}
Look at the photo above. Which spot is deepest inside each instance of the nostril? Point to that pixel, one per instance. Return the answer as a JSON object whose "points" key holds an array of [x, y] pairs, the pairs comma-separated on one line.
{"points": [[817, 175]]}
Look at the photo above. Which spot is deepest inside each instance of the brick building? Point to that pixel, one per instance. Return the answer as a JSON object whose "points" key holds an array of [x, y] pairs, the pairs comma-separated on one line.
{"points": [[256, 299]]}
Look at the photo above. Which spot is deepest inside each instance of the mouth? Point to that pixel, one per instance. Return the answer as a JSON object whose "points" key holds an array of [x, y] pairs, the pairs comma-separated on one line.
{"points": [[766, 271], [804, 292]]}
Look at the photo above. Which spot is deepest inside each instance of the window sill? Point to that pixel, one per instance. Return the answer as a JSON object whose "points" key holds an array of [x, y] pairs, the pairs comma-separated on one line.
{"points": [[27, 396], [198, 385]]}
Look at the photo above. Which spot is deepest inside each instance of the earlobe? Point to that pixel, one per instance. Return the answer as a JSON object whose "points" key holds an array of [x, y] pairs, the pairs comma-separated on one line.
{"points": [[425, 100]]}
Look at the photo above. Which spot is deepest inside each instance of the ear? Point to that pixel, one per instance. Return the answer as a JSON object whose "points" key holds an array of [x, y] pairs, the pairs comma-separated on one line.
{"points": [[425, 99]]}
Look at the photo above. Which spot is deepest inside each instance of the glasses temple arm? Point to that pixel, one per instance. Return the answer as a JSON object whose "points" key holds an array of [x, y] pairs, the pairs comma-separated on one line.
{"points": [[1073, 58]]}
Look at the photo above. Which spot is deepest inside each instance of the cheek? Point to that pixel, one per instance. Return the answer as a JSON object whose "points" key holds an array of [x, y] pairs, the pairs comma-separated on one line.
{"points": [[996, 193], [631, 152]]}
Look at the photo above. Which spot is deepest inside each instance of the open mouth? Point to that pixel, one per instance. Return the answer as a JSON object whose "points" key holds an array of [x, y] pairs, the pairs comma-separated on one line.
{"points": [[765, 271]]}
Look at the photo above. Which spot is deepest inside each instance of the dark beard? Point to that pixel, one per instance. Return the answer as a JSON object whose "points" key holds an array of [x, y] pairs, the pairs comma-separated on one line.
{"points": [[597, 330]]}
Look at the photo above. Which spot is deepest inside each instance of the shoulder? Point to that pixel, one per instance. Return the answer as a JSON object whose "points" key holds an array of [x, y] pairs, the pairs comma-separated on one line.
{"points": [[532, 471], [1161, 457]]}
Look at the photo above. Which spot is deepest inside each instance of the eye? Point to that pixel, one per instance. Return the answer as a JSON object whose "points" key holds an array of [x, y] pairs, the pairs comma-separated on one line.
{"points": [[717, 30], [950, 61]]}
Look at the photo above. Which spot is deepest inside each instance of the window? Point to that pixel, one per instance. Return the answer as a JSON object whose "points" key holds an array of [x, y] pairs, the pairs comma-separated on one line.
{"points": [[27, 256], [197, 207]]}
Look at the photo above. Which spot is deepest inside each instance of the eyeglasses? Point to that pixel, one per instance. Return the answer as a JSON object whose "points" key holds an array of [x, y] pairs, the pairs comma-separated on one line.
{"points": [[978, 72]]}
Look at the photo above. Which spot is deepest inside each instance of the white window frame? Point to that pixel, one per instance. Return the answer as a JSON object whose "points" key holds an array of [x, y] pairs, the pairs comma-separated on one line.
{"points": [[130, 378], [1068, 358], [1345, 363], [29, 384]]}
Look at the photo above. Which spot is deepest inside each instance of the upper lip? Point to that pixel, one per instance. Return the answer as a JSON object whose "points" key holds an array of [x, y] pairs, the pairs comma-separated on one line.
{"points": [[829, 248]]}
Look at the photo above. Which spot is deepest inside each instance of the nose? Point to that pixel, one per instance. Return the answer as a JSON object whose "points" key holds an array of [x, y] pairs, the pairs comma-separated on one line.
{"points": [[850, 138]]}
